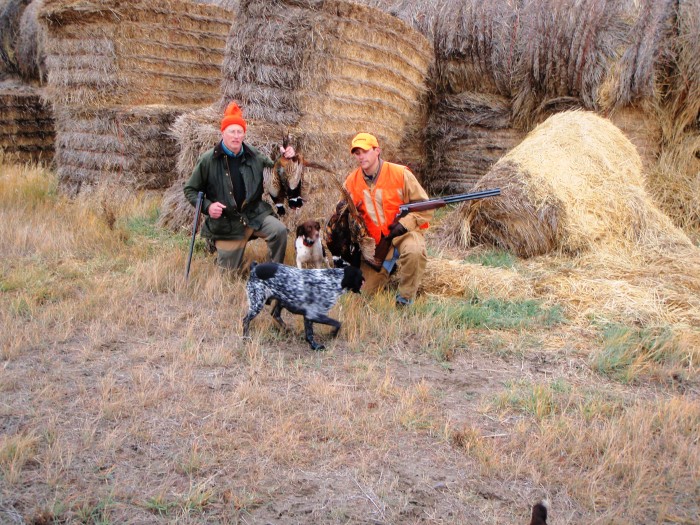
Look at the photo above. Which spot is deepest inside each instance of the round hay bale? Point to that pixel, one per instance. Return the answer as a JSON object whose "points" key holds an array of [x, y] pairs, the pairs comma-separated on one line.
{"points": [[10, 16], [574, 184], [31, 43]]}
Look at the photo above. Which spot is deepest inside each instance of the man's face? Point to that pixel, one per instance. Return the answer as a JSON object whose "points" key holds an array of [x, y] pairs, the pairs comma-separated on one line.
{"points": [[233, 137], [367, 159]]}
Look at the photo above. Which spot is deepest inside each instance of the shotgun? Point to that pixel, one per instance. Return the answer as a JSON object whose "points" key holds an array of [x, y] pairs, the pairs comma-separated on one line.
{"points": [[384, 245], [197, 211]]}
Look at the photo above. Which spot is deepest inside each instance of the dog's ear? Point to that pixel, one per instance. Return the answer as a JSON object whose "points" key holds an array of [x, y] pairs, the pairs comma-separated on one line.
{"points": [[300, 230]]}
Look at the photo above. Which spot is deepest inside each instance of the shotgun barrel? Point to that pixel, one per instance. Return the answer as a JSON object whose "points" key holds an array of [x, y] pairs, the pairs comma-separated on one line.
{"points": [[197, 212]]}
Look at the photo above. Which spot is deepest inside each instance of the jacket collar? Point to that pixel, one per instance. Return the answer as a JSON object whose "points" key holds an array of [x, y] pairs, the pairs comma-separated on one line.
{"points": [[219, 151]]}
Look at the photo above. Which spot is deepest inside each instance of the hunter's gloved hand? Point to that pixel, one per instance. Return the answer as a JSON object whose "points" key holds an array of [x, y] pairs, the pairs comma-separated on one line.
{"points": [[280, 209], [295, 202], [397, 230]]}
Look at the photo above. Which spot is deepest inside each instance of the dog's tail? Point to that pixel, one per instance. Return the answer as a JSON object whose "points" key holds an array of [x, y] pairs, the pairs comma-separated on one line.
{"points": [[539, 513]]}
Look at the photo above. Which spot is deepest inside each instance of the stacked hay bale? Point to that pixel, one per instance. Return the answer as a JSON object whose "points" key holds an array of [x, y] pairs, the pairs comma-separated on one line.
{"points": [[573, 185], [118, 75], [322, 71], [26, 126], [329, 70], [127, 143]]}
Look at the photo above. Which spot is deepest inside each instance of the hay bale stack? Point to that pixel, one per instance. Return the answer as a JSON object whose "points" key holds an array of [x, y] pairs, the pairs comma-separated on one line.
{"points": [[26, 124], [328, 69], [119, 73], [575, 185], [130, 53], [128, 144]]}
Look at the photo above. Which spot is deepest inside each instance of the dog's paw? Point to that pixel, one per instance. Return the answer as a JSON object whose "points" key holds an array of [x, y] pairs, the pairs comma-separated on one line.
{"points": [[280, 209], [317, 346]]}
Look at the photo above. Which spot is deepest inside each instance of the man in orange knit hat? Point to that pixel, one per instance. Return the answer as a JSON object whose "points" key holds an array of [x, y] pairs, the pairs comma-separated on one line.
{"points": [[231, 177], [378, 188]]}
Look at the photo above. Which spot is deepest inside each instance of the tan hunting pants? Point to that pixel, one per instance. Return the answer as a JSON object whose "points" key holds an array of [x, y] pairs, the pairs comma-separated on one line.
{"points": [[413, 259]]}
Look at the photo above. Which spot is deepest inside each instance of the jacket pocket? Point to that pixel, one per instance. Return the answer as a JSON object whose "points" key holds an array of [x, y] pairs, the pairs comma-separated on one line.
{"points": [[220, 226]]}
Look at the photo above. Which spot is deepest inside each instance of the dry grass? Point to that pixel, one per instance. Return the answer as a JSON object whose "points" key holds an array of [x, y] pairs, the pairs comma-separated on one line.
{"points": [[130, 396]]}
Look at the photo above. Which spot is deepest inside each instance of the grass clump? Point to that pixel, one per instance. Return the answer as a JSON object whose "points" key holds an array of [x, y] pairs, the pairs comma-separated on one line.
{"points": [[628, 353], [493, 259], [491, 313]]}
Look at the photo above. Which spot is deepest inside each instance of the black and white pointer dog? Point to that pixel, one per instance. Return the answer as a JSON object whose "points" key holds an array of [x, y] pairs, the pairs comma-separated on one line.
{"points": [[308, 247], [311, 293]]}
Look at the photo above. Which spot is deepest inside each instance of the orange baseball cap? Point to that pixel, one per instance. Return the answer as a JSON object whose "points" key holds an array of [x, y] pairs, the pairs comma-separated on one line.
{"points": [[364, 141]]}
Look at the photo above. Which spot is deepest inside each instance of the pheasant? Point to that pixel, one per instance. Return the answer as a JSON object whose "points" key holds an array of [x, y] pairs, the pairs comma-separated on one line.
{"points": [[285, 179]]}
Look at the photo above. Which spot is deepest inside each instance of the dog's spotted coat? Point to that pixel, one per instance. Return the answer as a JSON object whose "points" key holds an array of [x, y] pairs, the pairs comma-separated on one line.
{"points": [[310, 293]]}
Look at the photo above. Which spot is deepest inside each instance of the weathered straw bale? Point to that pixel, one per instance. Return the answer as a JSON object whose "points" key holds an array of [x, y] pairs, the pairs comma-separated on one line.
{"points": [[26, 125], [467, 134], [419, 14], [574, 184], [10, 16], [128, 53], [129, 144], [331, 68], [30, 44]]}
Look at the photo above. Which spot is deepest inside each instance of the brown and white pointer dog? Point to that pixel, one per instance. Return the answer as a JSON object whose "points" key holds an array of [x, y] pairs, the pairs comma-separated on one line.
{"points": [[308, 247]]}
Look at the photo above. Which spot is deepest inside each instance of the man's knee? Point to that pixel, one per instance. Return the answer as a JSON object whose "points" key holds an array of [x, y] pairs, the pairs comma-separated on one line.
{"points": [[229, 259]]}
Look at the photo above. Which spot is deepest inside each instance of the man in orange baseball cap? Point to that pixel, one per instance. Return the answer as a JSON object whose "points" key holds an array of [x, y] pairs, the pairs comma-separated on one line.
{"points": [[378, 188], [231, 177]]}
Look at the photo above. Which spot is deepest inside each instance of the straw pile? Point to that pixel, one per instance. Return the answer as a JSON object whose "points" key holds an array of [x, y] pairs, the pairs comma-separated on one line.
{"points": [[119, 73], [573, 185], [30, 44], [447, 278], [26, 125]]}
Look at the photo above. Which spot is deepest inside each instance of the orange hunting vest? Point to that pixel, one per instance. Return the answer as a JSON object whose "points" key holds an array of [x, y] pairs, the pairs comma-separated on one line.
{"points": [[380, 204]]}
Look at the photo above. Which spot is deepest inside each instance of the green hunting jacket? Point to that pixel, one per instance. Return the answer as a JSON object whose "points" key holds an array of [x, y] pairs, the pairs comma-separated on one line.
{"points": [[211, 176]]}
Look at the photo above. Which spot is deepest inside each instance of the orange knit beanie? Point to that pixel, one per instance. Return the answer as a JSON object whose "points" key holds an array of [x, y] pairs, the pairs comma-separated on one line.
{"points": [[232, 115]]}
